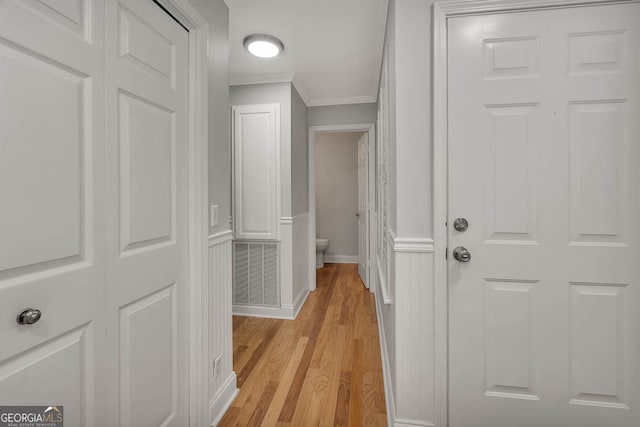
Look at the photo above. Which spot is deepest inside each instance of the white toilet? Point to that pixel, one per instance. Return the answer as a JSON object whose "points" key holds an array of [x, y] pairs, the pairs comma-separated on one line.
{"points": [[321, 246]]}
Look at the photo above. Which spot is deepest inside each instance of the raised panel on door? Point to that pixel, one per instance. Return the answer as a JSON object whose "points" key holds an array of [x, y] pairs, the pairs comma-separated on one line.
{"points": [[146, 126], [149, 356], [51, 169], [147, 174], [543, 164], [256, 141]]}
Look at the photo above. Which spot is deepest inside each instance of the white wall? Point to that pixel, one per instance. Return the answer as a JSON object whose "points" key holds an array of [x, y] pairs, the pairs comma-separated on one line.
{"points": [[293, 178], [267, 94], [413, 118], [336, 178], [217, 14], [299, 197], [218, 333], [407, 321], [299, 155]]}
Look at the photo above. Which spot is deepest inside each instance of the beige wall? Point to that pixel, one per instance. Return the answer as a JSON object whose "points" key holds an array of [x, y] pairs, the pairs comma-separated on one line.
{"points": [[336, 173]]}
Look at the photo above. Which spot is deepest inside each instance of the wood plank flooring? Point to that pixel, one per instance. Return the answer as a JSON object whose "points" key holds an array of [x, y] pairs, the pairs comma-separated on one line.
{"points": [[322, 369]]}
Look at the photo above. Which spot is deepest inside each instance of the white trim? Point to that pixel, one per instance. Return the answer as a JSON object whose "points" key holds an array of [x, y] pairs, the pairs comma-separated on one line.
{"points": [[340, 259], [386, 367], [187, 15], [222, 401], [286, 312], [222, 237], [290, 220], [299, 302], [412, 245], [410, 423], [257, 79], [319, 102], [452, 8], [358, 127], [386, 298], [442, 11]]}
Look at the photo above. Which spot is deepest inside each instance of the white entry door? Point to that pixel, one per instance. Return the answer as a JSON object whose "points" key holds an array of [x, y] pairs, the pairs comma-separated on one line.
{"points": [[147, 140], [51, 204], [544, 148], [363, 149]]}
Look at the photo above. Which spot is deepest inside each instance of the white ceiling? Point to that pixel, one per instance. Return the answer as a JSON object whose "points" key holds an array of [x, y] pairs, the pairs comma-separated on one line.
{"points": [[332, 48]]}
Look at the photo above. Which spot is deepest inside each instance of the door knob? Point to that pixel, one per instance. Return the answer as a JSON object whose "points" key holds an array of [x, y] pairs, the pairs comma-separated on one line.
{"points": [[29, 316], [462, 254], [461, 224], [357, 214]]}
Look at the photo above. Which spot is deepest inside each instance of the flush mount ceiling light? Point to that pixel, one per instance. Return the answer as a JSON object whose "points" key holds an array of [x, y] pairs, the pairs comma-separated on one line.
{"points": [[263, 45]]}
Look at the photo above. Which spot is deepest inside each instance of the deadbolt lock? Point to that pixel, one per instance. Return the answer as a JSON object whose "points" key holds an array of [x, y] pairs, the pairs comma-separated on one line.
{"points": [[461, 224]]}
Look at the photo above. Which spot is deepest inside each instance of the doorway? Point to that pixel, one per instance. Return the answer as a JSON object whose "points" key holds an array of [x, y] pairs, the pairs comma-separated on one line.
{"points": [[360, 216]]}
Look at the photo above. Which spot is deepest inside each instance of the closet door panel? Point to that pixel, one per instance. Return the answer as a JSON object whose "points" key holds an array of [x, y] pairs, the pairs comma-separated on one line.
{"points": [[256, 141]]}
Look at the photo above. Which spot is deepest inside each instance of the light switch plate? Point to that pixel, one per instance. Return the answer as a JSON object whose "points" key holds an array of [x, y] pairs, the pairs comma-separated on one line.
{"points": [[214, 216]]}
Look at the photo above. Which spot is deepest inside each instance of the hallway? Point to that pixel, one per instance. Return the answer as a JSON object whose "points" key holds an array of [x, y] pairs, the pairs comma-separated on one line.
{"points": [[323, 368]]}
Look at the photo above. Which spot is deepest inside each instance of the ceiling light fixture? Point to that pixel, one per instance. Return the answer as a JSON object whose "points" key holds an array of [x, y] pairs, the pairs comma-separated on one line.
{"points": [[263, 45]]}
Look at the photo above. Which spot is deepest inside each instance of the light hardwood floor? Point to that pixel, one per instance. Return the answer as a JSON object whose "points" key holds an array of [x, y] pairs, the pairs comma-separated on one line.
{"points": [[322, 369]]}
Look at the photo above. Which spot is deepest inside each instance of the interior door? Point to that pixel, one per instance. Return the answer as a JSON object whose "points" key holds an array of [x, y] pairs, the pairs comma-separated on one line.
{"points": [[543, 164], [52, 192], [362, 207], [146, 126]]}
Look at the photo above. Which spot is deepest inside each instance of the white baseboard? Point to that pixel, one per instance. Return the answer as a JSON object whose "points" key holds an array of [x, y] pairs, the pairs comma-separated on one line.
{"points": [[341, 259], [285, 312], [223, 399], [409, 423], [386, 374], [389, 398], [300, 300]]}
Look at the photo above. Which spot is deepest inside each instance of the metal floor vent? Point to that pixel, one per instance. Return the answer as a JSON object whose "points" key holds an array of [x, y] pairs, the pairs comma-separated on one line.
{"points": [[256, 274]]}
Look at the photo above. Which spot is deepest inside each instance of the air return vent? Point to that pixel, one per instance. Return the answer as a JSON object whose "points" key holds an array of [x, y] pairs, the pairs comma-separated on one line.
{"points": [[256, 274]]}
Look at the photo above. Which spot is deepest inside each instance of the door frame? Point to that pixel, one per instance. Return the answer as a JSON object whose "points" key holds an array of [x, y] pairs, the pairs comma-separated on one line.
{"points": [[442, 11], [198, 270], [313, 131]]}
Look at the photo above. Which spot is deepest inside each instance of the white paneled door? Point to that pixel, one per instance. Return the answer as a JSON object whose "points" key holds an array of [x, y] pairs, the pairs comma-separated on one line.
{"points": [[363, 156], [52, 247], [93, 225], [256, 148], [146, 126], [544, 147]]}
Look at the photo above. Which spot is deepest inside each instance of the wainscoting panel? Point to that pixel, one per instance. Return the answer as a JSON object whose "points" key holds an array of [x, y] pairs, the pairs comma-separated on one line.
{"points": [[300, 246], [222, 379], [405, 318]]}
